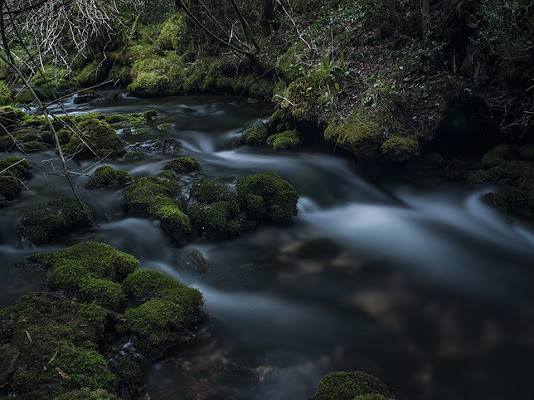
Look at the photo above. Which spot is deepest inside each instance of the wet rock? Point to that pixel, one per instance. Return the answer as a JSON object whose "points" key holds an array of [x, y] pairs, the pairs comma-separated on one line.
{"points": [[108, 177], [55, 219], [183, 165]]}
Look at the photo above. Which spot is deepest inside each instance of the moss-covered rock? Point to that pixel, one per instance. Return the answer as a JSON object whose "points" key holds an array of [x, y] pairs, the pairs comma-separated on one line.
{"points": [[254, 136], [108, 177], [6, 94], [172, 31], [183, 165], [287, 140], [215, 213], [55, 219], [398, 149], [156, 197], [495, 156], [86, 96], [348, 385], [278, 123], [267, 197], [371, 396], [64, 333], [86, 394], [96, 138], [89, 271], [12, 171], [25, 96], [166, 317], [361, 135], [11, 116], [193, 260]]}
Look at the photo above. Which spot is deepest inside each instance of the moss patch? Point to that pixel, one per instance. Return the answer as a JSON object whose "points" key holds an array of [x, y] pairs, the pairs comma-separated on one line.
{"points": [[267, 197], [287, 140], [397, 149], [95, 139], [108, 177], [183, 165], [155, 197], [254, 136], [361, 135], [55, 219], [348, 385]]}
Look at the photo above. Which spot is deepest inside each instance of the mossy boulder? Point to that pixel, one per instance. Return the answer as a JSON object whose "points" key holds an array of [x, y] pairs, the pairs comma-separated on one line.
{"points": [[193, 260], [6, 94], [371, 396], [27, 140], [11, 116], [172, 31], [155, 197], [12, 171], [167, 315], [25, 96], [215, 213], [348, 385], [183, 165], [63, 332], [86, 96], [496, 156], [96, 138], [360, 135], [55, 219], [254, 136], [89, 271], [108, 177], [278, 123], [399, 149], [267, 197], [287, 140]]}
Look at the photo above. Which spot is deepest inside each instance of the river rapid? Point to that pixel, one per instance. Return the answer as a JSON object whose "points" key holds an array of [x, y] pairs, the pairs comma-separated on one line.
{"points": [[424, 286]]}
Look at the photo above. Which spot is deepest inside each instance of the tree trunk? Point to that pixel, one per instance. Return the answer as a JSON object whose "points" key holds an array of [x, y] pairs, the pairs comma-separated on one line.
{"points": [[425, 15]]}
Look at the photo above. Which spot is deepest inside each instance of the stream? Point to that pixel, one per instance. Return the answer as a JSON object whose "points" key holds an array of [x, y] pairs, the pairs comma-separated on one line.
{"points": [[425, 287]]}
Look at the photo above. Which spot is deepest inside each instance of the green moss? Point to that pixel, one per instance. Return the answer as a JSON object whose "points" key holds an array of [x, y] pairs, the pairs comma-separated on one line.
{"points": [[155, 197], [495, 156], [361, 135], [267, 197], [254, 136], [150, 115], [6, 94], [11, 116], [278, 122], [206, 191], [99, 140], [184, 165], [348, 385], [165, 319], [287, 140], [55, 77], [526, 152], [217, 220], [102, 292], [10, 187], [108, 177], [399, 149], [96, 259], [55, 219], [134, 155], [371, 396], [172, 31], [146, 283], [93, 73], [86, 394], [53, 342], [25, 96], [15, 167], [194, 260]]}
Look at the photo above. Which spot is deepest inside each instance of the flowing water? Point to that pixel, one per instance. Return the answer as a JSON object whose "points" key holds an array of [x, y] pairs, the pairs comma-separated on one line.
{"points": [[425, 287]]}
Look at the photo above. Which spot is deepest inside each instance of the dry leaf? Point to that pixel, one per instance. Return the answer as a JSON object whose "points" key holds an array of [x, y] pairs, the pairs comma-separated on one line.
{"points": [[28, 336], [63, 374], [52, 359]]}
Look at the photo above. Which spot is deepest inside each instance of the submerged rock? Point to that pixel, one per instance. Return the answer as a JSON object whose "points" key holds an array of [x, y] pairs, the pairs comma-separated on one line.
{"points": [[55, 219]]}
